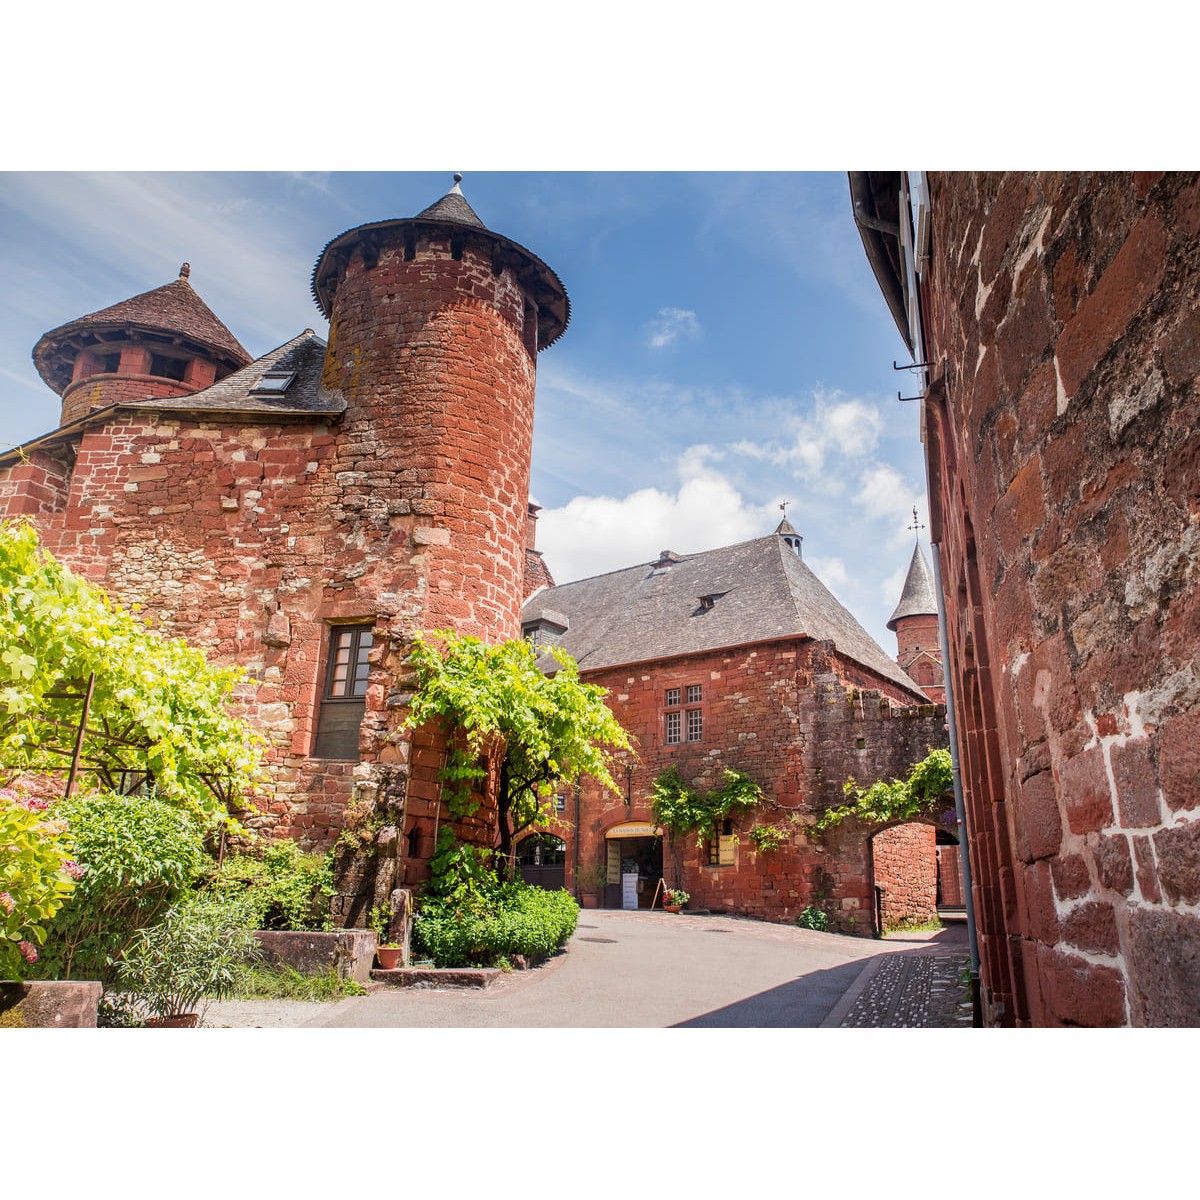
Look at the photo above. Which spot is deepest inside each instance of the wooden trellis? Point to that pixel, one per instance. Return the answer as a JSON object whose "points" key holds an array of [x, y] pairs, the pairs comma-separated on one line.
{"points": [[112, 755]]}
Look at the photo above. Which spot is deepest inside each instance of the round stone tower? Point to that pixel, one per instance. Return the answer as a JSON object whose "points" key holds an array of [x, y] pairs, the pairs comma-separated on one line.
{"points": [[435, 325], [165, 342]]}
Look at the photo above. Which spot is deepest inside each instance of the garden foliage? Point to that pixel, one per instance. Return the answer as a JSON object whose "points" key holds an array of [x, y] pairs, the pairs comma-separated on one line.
{"points": [[200, 951], [137, 854], [159, 695], [485, 928], [37, 875], [282, 887]]}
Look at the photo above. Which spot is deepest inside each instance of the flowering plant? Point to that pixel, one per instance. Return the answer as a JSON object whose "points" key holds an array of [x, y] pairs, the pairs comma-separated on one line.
{"points": [[37, 874], [675, 896]]}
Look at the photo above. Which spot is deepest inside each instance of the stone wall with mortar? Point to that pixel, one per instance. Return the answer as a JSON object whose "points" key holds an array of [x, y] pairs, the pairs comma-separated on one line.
{"points": [[1063, 433]]}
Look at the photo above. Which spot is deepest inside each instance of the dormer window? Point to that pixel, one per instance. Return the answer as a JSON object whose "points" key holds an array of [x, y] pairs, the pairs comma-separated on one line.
{"points": [[273, 383], [545, 628]]}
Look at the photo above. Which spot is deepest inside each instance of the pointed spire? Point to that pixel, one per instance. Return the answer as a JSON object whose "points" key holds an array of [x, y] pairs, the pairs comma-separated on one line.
{"points": [[452, 207], [790, 534], [918, 597]]}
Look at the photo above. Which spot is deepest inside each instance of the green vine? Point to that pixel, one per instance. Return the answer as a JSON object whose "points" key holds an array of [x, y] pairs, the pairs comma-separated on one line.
{"points": [[927, 782], [767, 838], [682, 810]]}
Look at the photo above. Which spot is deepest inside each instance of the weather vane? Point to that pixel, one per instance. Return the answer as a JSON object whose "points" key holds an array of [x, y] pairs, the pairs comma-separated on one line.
{"points": [[916, 525], [783, 507]]}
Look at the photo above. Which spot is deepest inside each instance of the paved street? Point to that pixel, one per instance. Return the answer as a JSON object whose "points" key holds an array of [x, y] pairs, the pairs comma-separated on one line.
{"points": [[656, 970]]}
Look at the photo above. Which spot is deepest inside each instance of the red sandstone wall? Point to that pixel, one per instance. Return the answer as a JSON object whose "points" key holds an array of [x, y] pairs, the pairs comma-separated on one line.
{"points": [[905, 861], [1064, 446], [429, 355]]}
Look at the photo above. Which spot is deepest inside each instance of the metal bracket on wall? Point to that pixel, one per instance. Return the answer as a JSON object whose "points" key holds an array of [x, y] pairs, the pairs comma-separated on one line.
{"points": [[909, 367]]}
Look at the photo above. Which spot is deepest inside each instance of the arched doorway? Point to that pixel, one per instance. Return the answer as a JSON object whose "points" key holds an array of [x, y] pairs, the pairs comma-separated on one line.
{"points": [[904, 864], [633, 855], [542, 858]]}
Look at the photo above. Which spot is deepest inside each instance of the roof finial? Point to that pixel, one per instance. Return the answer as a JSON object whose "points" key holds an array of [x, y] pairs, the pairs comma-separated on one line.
{"points": [[457, 181], [916, 525], [185, 270], [783, 506]]}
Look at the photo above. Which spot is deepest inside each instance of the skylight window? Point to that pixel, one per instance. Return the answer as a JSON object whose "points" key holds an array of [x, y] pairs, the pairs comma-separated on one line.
{"points": [[273, 383]]}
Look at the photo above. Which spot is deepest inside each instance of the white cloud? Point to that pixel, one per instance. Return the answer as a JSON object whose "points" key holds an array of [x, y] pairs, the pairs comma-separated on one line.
{"points": [[882, 490], [671, 325], [837, 428], [593, 534]]}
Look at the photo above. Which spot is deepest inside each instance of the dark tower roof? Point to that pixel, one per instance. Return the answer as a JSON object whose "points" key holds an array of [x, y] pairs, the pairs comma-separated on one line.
{"points": [[918, 598], [452, 207], [453, 213], [173, 308]]}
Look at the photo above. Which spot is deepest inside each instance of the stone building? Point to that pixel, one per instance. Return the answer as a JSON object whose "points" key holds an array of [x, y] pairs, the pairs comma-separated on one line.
{"points": [[740, 658], [1055, 321], [304, 513]]}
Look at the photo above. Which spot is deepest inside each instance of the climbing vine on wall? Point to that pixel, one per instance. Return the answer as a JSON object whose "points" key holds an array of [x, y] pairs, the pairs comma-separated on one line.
{"points": [[916, 794], [681, 809]]}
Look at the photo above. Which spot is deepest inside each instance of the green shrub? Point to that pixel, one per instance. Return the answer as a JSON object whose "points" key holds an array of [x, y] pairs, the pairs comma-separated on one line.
{"points": [[137, 855], [200, 951], [814, 918], [284, 888], [481, 930]]}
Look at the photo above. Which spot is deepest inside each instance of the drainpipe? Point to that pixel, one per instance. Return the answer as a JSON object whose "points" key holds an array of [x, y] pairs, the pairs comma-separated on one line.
{"points": [[959, 805], [576, 841]]}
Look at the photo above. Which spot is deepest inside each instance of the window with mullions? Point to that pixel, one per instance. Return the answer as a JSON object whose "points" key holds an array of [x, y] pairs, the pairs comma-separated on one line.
{"points": [[683, 714], [342, 701]]}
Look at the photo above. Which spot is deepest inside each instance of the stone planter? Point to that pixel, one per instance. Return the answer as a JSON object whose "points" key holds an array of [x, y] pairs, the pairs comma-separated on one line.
{"points": [[49, 1004], [349, 951], [590, 900]]}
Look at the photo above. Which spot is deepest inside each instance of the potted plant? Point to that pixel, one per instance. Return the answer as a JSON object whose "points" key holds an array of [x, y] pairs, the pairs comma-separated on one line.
{"points": [[389, 954], [674, 899], [592, 882], [196, 954]]}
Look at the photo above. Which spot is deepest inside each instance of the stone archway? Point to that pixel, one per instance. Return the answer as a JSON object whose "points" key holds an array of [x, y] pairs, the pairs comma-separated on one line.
{"points": [[904, 867]]}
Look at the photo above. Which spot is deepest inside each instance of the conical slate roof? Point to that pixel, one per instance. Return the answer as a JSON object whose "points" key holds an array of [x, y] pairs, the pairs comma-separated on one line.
{"points": [[452, 207], [918, 598], [174, 308], [540, 282], [753, 591]]}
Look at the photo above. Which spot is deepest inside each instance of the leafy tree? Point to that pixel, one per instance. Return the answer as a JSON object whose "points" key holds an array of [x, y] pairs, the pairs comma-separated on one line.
{"points": [[553, 728], [927, 782], [156, 702]]}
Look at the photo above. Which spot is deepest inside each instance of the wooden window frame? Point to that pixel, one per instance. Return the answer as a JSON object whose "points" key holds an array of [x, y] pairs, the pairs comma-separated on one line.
{"points": [[335, 711]]}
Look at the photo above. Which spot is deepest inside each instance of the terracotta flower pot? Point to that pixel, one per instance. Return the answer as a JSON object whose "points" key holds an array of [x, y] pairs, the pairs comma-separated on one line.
{"points": [[590, 900], [389, 957], [673, 907]]}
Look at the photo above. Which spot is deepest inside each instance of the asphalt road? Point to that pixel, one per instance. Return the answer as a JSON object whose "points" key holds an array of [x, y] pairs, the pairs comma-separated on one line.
{"points": [[633, 970]]}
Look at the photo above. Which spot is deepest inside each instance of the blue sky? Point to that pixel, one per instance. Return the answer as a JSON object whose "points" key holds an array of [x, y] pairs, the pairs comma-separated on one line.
{"points": [[728, 348]]}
